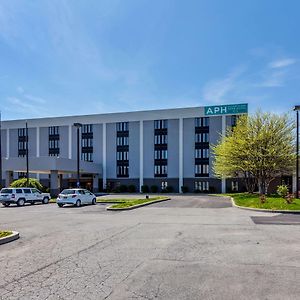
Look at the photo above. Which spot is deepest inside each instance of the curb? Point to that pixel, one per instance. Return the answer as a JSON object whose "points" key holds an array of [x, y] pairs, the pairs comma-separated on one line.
{"points": [[264, 209], [138, 205], [14, 236]]}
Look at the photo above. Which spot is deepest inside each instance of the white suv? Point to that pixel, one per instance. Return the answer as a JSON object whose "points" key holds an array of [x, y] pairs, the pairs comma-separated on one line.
{"points": [[20, 196], [76, 197]]}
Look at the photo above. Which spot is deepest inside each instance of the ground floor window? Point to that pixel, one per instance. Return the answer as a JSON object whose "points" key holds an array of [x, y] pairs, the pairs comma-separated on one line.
{"points": [[164, 185], [234, 186], [201, 186]]}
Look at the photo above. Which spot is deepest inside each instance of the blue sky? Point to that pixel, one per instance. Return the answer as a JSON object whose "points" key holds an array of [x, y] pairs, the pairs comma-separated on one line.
{"points": [[78, 57]]}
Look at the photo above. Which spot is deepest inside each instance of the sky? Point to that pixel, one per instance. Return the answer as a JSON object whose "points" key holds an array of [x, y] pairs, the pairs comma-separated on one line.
{"points": [[62, 57]]}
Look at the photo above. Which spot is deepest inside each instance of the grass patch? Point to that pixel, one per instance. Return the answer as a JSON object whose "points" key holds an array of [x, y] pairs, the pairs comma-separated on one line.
{"points": [[273, 202], [125, 203], [101, 200], [5, 233], [52, 200]]}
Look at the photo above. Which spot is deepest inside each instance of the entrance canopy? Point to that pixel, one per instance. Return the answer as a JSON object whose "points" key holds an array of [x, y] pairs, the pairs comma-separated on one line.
{"points": [[44, 165]]}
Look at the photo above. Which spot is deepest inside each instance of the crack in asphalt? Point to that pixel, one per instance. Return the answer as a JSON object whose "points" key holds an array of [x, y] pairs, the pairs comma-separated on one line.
{"points": [[69, 256]]}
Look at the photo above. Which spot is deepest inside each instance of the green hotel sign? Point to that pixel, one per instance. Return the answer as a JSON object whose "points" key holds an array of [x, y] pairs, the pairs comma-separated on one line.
{"points": [[226, 109]]}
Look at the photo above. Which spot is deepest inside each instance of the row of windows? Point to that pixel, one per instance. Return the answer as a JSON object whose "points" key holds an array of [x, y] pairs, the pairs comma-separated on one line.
{"points": [[122, 171], [122, 155], [86, 142], [161, 154], [160, 139], [160, 124], [160, 170], [53, 130], [53, 144], [122, 141], [22, 145], [87, 156], [202, 186], [201, 153], [202, 122], [87, 128], [122, 126], [202, 169], [201, 137], [21, 132]]}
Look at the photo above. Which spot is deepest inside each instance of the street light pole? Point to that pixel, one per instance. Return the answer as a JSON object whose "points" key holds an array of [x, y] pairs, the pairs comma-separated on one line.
{"points": [[27, 158], [78, 126], [0, 153], [297, 108]]}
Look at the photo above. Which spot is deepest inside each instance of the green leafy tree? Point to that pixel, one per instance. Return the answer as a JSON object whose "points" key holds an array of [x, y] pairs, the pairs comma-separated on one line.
{"points": [[33, 183], [260, 148]]}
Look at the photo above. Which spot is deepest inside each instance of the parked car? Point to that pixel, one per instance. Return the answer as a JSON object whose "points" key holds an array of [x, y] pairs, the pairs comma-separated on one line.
{"points": [[20, 196], [76, 197]]}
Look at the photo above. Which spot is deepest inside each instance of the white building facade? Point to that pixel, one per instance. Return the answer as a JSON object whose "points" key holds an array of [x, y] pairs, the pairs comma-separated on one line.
{"points": [[167, 149]]}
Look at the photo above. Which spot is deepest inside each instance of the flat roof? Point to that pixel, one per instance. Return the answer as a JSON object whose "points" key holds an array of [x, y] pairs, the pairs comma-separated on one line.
{"points": [[173, 113]]}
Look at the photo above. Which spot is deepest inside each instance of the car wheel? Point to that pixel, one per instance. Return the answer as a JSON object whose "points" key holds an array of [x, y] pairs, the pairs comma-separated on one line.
{"points": [[60, 204], [94, 201], [21, 202], [6, 204], [46, 200], [78, 203]]}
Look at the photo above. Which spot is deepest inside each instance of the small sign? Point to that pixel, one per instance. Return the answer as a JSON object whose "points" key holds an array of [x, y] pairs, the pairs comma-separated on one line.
{"points": [[231, 109]]}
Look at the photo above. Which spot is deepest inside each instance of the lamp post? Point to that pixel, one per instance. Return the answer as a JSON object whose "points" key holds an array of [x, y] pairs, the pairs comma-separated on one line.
{"points": [[297, 108], [27, 158], [78, 126], [0, 154]]}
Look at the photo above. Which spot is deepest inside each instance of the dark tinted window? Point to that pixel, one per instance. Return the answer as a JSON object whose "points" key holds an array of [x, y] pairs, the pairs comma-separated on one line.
{"points": [[27, 191], [81, 192], [6, 191], [68, 192], [19, 191]]}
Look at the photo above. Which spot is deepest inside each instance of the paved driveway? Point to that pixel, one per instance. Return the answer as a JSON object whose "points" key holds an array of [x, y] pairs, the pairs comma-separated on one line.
{"points": [[155, 252]]}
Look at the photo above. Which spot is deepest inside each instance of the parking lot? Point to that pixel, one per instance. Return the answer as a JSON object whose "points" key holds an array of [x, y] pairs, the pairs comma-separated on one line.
{"points": [[191, 247]]}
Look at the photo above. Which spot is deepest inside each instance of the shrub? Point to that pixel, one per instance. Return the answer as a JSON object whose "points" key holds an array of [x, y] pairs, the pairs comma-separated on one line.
{"points": [[169, 189], [131, 188], [184, 189], [116, 190], [212, 189], [154, 188], [33, 183], [123, 188], [282, 190], [145, 189]]}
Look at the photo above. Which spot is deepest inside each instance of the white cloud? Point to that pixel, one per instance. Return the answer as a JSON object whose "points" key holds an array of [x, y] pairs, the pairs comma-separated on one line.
{"points": [[216, 91], [281, 63], [274, 79]]}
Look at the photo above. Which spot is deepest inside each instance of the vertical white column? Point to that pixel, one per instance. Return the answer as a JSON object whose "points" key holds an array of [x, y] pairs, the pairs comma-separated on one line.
{"points": [[141, 154], [180, 154], [38, 142], [104, 155], [223, 134], [294, 185], [70, 142], [7, 143], [38, 148]]}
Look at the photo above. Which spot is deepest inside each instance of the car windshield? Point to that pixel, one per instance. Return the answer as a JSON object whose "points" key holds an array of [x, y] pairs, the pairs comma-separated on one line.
{"points": [[6, 191], [68, 192]]}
